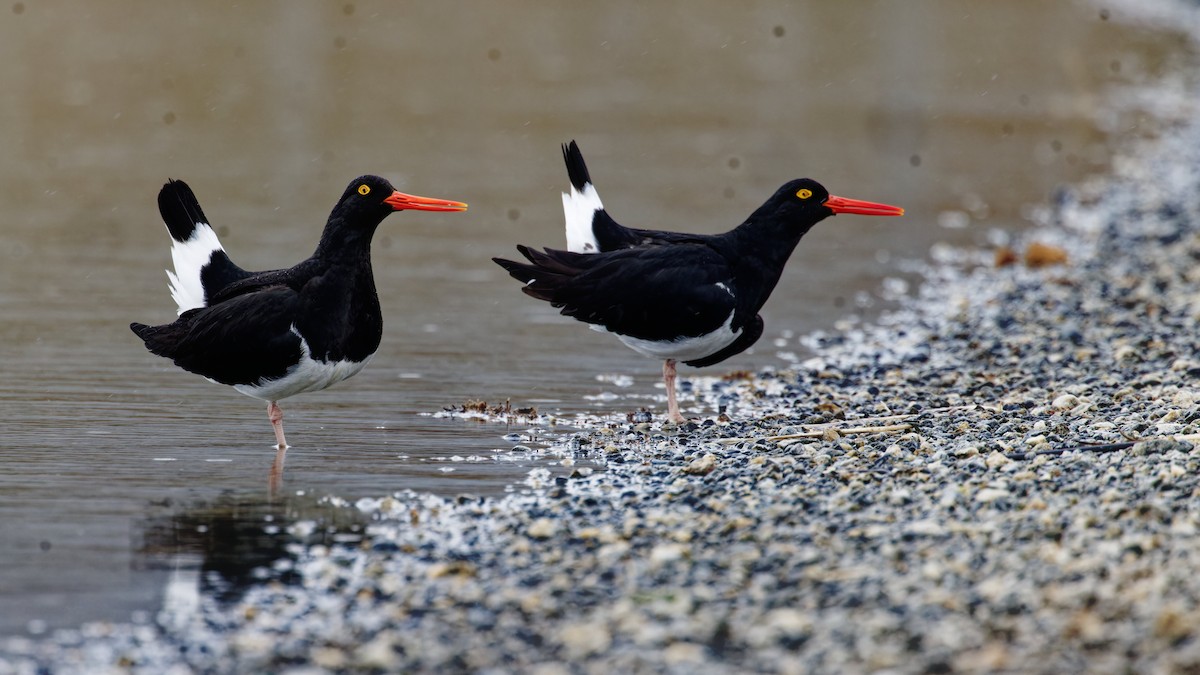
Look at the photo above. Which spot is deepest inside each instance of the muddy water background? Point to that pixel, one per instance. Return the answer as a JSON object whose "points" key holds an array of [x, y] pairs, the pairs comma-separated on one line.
{"points": [[689, 115]]}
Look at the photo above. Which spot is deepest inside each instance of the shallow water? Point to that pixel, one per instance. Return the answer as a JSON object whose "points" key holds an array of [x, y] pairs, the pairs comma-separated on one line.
{"points": [[689, 116]]}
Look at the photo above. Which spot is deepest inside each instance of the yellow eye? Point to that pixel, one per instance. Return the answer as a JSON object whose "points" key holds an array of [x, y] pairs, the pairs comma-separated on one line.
{"points": [[804, 193], [364, 190]]}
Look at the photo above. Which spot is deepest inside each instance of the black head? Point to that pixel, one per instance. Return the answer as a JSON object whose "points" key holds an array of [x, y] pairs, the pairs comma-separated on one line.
{"points": [[806, 201], [801, 199], [369, 199]]}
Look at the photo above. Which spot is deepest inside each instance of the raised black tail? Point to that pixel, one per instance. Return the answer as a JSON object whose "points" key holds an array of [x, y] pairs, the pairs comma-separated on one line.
{"points": [[202, 267], [180, 210], [576, 170]]}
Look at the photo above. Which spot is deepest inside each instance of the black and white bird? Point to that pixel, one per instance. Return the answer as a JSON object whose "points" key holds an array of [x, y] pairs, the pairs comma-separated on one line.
{"points": [[275, 334], [671, 295]]}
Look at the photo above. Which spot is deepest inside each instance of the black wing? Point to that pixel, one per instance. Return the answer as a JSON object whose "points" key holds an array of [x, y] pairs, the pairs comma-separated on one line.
{"points": [[293, 278], [243, 340], [657, 293]]}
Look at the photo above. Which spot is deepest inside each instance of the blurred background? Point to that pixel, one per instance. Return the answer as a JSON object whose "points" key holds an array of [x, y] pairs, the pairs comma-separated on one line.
{"points": [[968, 114]]}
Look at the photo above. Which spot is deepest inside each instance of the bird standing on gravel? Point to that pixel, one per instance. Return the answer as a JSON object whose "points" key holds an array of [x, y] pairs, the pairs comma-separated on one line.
{"points": [[672, 295]]}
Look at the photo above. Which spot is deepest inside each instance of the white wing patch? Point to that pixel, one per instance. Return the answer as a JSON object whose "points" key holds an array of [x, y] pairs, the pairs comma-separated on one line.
{"points": [[189, 257], [579, 209], [307, 375]]}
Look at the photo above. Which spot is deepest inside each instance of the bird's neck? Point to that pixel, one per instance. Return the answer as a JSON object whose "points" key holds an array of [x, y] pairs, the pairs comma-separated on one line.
{"points": [[341, 243], [762, 246], [765, 241]]}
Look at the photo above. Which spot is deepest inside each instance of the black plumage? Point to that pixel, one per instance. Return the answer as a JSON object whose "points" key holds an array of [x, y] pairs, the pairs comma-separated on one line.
{"points": [[282, 332]]}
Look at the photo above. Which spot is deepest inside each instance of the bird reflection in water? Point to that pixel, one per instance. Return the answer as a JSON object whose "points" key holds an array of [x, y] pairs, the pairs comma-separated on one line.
{"points": [[275, 481]]}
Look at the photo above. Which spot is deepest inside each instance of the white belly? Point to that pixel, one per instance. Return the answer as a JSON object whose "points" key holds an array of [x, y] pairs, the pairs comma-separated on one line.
{"points": [[685, 349], [308, 375]]}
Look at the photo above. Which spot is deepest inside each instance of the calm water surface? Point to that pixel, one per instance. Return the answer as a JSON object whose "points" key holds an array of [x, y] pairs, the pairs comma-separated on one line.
{"points": [[119, 471]]}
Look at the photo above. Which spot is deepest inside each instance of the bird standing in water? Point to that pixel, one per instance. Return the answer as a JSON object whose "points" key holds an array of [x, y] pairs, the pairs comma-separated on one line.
{"points": [[672, 295], [279, 333]]}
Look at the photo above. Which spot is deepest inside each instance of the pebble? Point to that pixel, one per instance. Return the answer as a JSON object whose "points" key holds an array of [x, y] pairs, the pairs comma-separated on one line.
{"points": [[543, 528]]}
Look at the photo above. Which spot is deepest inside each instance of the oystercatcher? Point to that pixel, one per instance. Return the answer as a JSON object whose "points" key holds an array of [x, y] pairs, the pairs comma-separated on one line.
{"points": [[279, 333], [671, 295]]}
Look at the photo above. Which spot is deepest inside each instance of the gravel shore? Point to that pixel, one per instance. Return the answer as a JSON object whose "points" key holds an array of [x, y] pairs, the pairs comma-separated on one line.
{"points": [[912, 500]]}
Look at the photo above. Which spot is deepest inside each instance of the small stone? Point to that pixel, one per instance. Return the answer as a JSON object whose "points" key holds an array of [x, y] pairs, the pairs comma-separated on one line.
{"points": [[680, 653], [1065, 402], [1125, 353], [253, 643], [453, 568], [1085, 625], [665, 553], [950, 497], [543, 528], [991, 657], [988, 495], [1160, 446], [585, 638], [997, 459], [379, 653], [1172, 624], [329, 658], [927, 527], [968, 451], [1080, 410], [702, 465], [1183, 365]]}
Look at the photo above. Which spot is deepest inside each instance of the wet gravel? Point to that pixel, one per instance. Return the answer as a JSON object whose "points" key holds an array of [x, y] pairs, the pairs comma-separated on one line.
{"points": [[912, 500]]}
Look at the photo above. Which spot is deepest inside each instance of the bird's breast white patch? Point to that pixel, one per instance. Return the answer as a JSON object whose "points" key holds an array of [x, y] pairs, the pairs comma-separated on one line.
{"points": [[307, 375], [688, 348], [189, 258]]}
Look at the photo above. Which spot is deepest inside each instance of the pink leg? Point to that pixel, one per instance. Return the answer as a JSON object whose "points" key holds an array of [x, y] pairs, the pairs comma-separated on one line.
{"points": [[669, 380], [275, 414]]}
